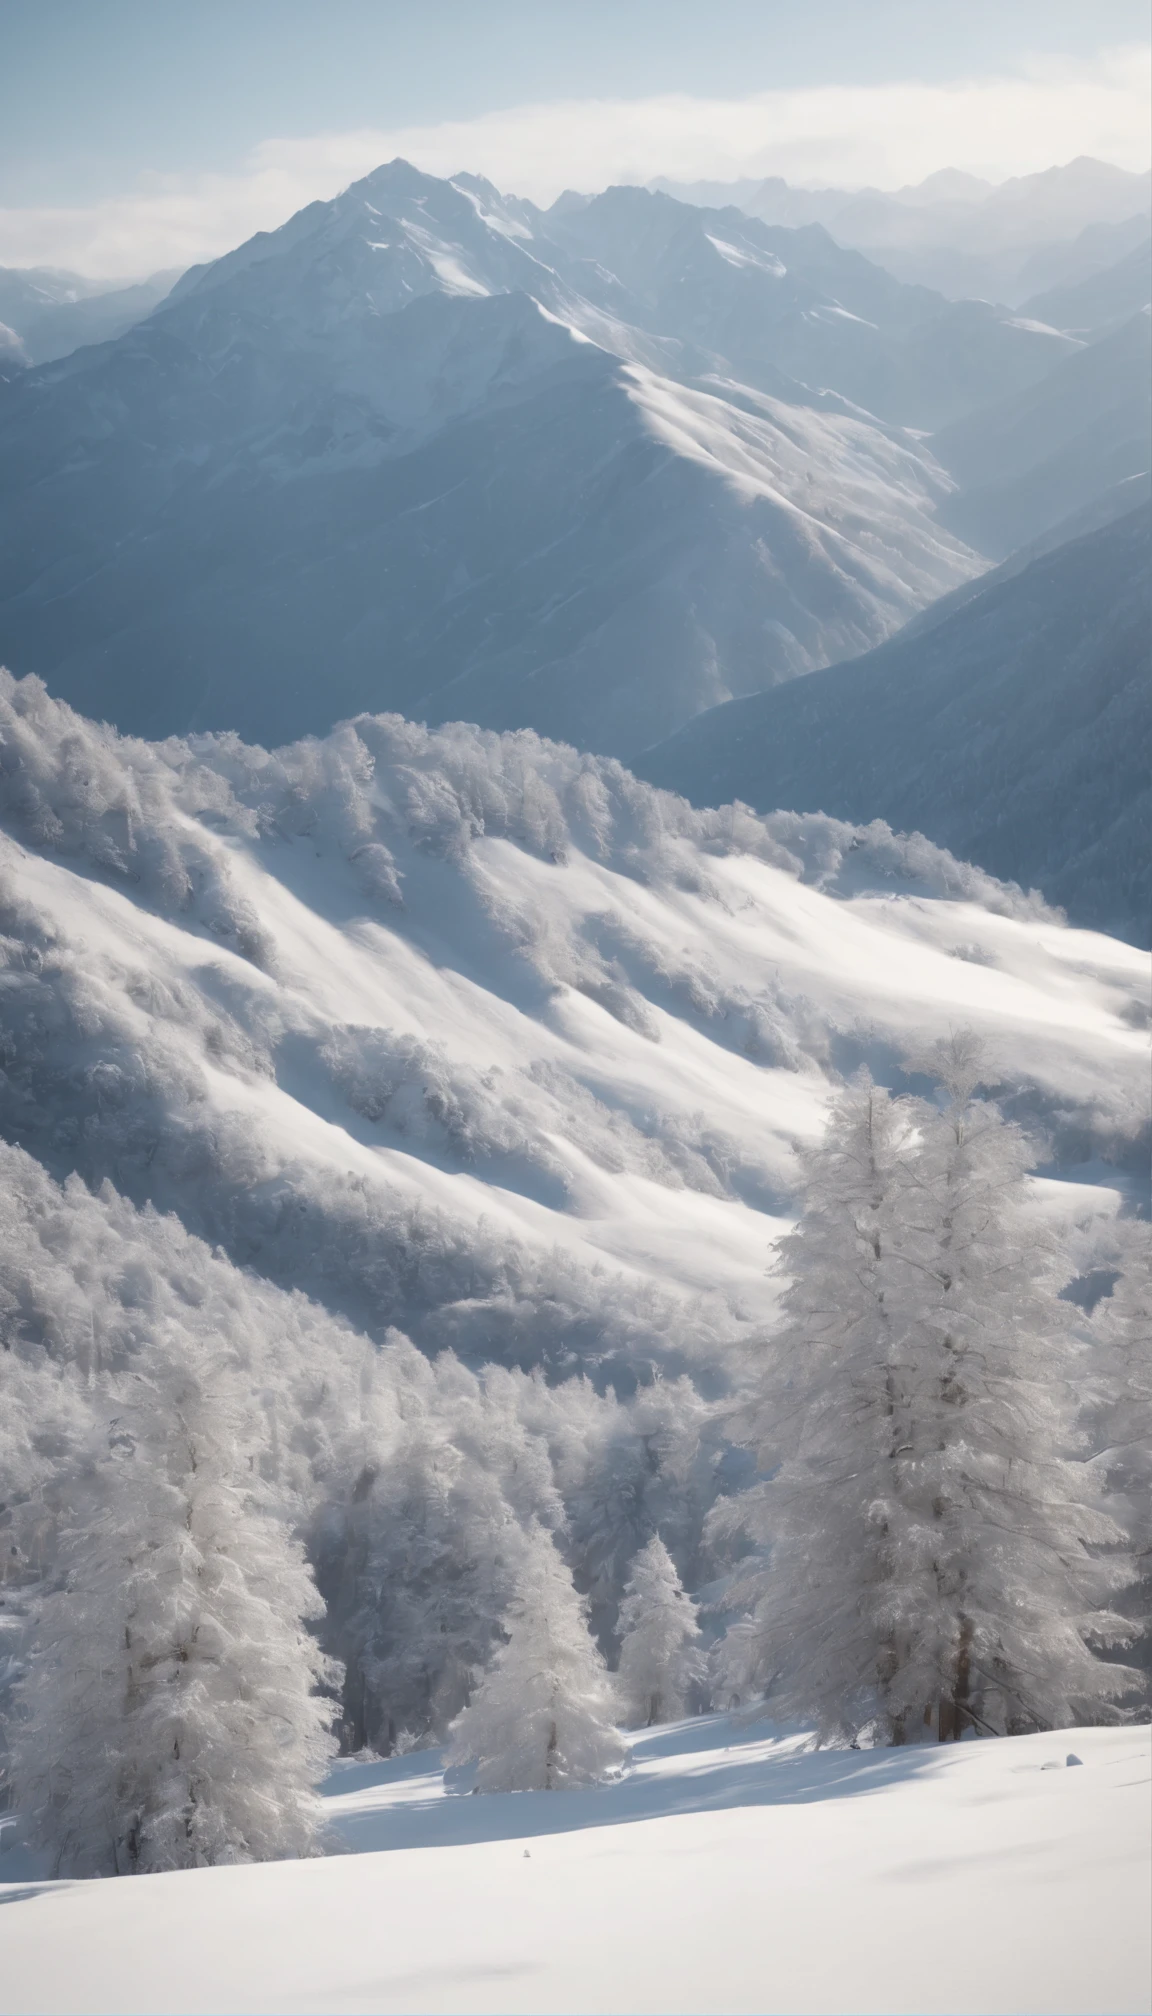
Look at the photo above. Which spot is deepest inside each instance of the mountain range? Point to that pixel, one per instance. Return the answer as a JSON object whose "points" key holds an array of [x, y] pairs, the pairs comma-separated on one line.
{"points": [[962, 234], [615, 472], [1099, 301], [591, 470]]}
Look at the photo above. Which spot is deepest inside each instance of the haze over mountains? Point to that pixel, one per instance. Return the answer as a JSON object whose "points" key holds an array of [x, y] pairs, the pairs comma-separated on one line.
{"points": [[595, 471], [46, 313], [1099, 301], [1025, 463], [591, 471], [415, 440], [962, 234]]}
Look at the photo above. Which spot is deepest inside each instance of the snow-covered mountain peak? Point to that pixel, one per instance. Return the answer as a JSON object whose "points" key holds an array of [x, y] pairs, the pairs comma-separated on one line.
{"points": [[388, 239], [478, 461]]}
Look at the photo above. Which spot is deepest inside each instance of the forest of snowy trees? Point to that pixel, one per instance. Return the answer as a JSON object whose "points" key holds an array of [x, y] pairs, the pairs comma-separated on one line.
{"points": [[238, 1535], [310, 1468]]}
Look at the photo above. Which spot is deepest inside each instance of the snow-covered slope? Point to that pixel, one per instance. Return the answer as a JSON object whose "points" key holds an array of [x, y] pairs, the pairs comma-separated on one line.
{"points": [[773, 300], [730, 1869], [1015, 730], [484, 1038], [411, 450]]}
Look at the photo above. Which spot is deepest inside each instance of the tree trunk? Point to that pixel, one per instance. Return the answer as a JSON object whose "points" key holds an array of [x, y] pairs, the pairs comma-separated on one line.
{"points": [[962, 1686], [553, 1746]]}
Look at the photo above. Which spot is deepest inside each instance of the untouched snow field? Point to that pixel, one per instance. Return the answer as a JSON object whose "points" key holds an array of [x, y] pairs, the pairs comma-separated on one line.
{"points": [[730, 1869]]}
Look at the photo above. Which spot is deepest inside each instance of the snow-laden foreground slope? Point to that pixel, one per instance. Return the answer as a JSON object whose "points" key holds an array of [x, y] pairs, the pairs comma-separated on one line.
{"points": [[727, 1871], [480, 1037]]}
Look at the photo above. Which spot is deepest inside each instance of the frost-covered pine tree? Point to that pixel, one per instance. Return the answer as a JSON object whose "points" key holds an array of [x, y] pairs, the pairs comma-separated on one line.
{"points": [[825, 1405], [1012, 1560], [542, 1715], [1121, 1412], [660, 1658], [936, 1560], [417, 1554], [169, 1715]]}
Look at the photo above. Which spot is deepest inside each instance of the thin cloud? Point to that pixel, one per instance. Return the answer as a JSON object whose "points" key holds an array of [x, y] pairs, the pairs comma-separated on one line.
{"points": [[882, 135]]}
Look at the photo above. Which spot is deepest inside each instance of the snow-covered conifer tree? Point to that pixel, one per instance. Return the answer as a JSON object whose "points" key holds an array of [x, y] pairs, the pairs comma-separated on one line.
{"points": [[937, 1559], [1121, 1407], [169, 1715], [418, 1562], [660, 1657], [1010, 1564], [625, 1471], [542, 1716], [828, 1395]]}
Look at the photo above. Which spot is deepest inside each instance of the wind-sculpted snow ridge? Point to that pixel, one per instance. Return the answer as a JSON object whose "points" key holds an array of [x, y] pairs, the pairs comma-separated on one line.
{"points": [[477, 1036]]}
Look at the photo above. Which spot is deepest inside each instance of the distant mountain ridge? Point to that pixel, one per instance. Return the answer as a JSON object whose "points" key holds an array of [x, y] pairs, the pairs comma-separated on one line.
{"points": [[49, 313], [425, 448], [1015, 731], [772, 299], [593, 470], [960, 233]]}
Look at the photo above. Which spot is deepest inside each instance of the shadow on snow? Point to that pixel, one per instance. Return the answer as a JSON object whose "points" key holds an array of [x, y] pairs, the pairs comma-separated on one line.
{"points": [[709, 1764]]}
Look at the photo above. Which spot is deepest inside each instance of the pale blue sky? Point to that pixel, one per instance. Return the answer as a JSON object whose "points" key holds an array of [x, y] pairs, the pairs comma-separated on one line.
{"points": [[92, 92], [140, 134]]}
